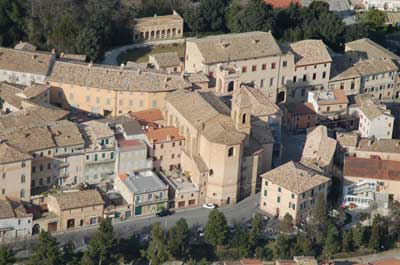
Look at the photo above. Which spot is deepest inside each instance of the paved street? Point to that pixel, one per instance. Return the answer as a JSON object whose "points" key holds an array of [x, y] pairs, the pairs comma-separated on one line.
{"points": [[241, 212]]}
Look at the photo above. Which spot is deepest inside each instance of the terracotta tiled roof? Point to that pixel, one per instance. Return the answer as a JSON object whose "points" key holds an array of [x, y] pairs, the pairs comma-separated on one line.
{"points": [[12, 209], [115, 78], [238, 46], [309, 52], [371, 168], [369, 49], [282, 3], [25, 61], [10, 155], [300, 108], [78, 199], [150, 115], [164, 135], [295, 177]]}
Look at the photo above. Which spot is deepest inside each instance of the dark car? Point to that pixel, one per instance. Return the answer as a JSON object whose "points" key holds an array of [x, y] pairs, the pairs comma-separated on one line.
{"points": [[164, 213]]}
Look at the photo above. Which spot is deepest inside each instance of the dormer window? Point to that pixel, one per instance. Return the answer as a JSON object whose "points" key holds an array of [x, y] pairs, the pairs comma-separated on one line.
{"points": [[244, 118]]}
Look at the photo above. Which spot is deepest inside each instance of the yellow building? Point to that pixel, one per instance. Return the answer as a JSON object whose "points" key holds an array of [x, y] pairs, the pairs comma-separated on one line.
{"points": [[110, 90]]}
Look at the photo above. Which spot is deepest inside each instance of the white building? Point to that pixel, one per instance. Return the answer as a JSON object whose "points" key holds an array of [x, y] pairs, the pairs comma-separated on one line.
{"points": [[15, 222], [24, 67], [384, 5], [374, 120]]}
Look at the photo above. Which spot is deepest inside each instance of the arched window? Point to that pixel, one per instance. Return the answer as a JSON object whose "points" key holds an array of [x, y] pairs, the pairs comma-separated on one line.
{"points": [[231, 85], [231, 151]]}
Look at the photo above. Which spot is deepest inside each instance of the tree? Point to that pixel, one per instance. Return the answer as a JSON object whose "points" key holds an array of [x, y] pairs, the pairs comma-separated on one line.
{"points": [[240, 241], [347, 242], [256, 16], [100, 249], [379, 234], [47, 251], [64, 33], [213, 12], [356, 31], [374, 17], [216, 230], [256, 230], [281, 247], [6, 256], [319, 214], [157, 252], [303, 246], [359, 235], [287, 223], [68, 255], [178, 239], [332, 242], [12, 22]]}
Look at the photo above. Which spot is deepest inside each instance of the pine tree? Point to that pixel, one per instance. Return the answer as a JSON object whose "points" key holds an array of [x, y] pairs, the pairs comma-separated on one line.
{"points": [[100, 249], [347, 242], [178, 239], [6, 256], [216, 230], [281, 247], [157, 252], [287, 223], [255, 231], [47, 251], [359, 235], [332, 242], [375, 238]]}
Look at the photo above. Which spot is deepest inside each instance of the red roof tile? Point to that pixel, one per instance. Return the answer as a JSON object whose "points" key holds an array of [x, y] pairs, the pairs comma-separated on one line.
{"points": [[150, 115], [282, 3], [164, 134], [372, 168]]}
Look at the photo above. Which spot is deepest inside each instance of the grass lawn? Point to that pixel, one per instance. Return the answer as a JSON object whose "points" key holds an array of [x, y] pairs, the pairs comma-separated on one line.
{"points": [[141, 55]]}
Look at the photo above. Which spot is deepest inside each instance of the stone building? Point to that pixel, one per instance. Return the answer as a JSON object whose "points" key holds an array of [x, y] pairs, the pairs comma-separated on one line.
{"points": [[284, 72], [15, 221], [144, 190], [108, 90], [158, 28], [165, 147], [292, 188], [76, 208], [25, 67], [15, 173], [167, 61], [225, 148]]}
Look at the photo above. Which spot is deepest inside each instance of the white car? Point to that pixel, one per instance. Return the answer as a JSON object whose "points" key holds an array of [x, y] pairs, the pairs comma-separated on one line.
{"points": [[209, 206]]}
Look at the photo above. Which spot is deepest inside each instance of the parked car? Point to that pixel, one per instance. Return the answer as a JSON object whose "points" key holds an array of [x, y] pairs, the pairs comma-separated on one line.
{"points": [[164, 213], [209, 206]]}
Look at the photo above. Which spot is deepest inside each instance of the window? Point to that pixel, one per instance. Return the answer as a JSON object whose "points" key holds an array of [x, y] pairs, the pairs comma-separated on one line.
{"points": [[162, 146], [264, 67], [314, 76], [254, 68], [278, 199], [273, 65], [87, 157], [284, 63], [323, 75], [262, 82], [33, 171], [23, 164], [294, 79], [41, 167], [266, 183], [93, 220], [161, 157], [292, 196], [173, 156], [112, 155], [22, 178], [96, 157], [244, 118], [22, 193], [265, 193], [271, 81], [304, 78], [231, 151], [48, 166], [279, 189], [244, 69]]}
